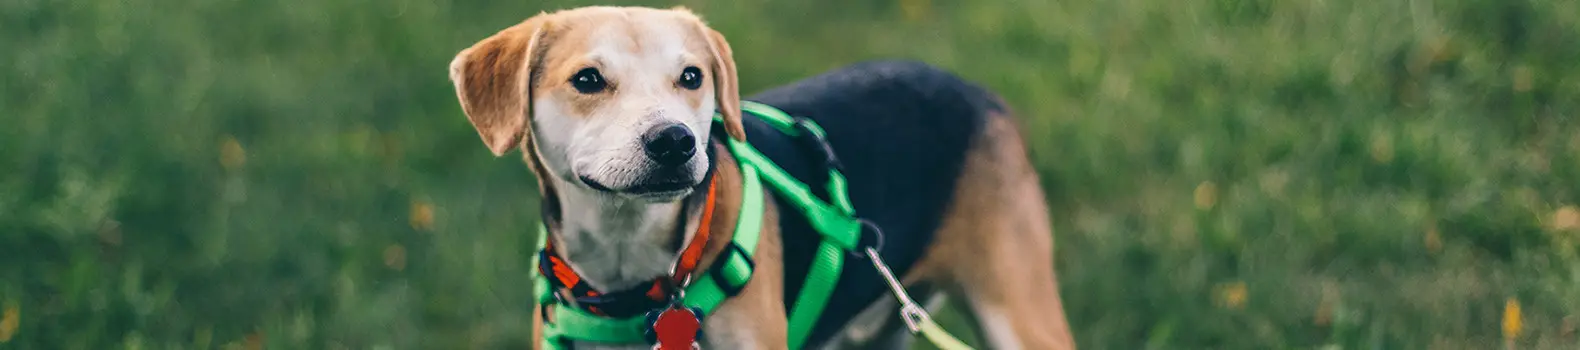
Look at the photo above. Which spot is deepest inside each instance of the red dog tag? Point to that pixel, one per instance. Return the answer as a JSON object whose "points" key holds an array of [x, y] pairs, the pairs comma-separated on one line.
{"points": [[676, 329]]}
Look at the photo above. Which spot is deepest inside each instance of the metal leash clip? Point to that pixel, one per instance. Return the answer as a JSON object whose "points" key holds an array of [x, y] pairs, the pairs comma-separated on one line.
{"points": [[913, 314]]}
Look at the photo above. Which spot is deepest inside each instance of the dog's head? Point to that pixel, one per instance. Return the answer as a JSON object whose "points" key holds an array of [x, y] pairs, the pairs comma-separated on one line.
{"points": [[614, 99]]}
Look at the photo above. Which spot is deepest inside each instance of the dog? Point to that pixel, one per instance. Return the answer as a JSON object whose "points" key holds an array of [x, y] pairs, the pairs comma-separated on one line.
{"points": [[613, 111]]}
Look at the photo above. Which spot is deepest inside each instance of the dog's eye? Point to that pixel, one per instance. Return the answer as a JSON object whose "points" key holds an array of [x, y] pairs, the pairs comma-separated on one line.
{"points": [[588, 81], [691, 78]]}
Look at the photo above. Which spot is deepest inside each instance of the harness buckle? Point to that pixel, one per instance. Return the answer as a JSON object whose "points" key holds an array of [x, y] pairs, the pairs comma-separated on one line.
{"points": [[727, 285]]}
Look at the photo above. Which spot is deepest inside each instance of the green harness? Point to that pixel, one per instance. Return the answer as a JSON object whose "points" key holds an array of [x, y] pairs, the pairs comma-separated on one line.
{"points": [[836, 222]]}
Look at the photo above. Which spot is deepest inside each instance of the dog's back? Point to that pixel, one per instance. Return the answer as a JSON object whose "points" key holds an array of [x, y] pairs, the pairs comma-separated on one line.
{"points": [[902, 131]]}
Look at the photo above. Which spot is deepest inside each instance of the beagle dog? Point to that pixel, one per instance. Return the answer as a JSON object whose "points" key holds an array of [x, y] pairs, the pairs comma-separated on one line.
{"points": [[612, 109]]}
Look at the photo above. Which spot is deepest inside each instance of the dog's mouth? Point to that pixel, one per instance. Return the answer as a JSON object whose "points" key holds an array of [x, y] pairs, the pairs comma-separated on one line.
{"points": [[594, 184], [660, 188]]}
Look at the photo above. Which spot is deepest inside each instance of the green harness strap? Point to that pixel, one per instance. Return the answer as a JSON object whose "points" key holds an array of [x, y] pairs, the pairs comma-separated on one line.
{"points": [[840, 231], [836, 223]]}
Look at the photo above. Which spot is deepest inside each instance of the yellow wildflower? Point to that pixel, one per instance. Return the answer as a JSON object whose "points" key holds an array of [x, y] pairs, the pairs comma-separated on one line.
{"points": [[421, 215], [1206, 195], [9, 322], [1566, 218], [231, 155], [1232, 295], [1511, 319]]}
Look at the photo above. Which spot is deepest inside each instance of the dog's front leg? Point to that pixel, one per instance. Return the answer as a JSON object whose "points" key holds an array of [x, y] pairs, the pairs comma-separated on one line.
{"points": [[755, 318], [761, 326]]}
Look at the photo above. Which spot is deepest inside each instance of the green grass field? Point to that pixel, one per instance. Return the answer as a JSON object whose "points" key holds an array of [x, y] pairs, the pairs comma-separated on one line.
{"points": [[1224, 174]]}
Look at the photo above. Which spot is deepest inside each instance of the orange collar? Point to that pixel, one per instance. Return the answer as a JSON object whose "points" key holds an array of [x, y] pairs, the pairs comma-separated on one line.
{"points": [[637, 300]]}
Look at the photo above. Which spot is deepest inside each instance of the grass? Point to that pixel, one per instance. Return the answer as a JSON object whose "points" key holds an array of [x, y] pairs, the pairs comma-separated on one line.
{"points": [[1227, 174]]}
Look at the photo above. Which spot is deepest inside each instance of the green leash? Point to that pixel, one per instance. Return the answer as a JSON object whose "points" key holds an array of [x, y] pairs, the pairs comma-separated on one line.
{"points": [[836, 222]]}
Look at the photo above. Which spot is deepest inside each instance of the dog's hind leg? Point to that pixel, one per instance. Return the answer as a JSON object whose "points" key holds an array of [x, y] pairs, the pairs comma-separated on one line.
{"points": [[995, 246]]}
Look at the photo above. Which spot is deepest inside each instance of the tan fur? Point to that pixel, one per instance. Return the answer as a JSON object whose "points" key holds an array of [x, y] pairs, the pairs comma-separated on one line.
{"points": [[564, 59], [491, 81], [725, 82], [995, 247]]}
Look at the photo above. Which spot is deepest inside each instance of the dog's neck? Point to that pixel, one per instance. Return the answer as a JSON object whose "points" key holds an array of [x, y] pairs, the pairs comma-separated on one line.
{"points": [[616, 242]]}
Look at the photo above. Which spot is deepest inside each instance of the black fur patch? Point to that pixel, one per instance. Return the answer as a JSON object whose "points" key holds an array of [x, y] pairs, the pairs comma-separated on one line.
{"points": [[901, 129]]}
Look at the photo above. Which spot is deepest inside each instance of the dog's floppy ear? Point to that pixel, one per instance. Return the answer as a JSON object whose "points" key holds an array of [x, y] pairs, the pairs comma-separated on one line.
{"points": [[493, 81], [726, 87]]}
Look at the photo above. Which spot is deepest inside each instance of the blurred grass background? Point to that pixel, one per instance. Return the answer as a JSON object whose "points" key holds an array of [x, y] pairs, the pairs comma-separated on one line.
{"points": [[1228, 174]]}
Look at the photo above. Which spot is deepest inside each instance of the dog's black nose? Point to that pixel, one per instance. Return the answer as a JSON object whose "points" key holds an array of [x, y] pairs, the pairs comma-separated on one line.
{"points": [[670, 144]]}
